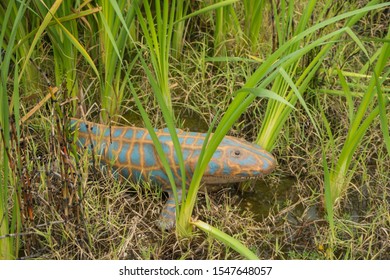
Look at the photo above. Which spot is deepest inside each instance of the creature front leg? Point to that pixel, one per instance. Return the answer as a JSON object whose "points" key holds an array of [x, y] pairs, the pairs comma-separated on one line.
{"points": [[167, 218]]}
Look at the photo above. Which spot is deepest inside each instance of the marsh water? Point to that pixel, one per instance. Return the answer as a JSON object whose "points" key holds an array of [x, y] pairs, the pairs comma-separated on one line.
{"points": [[264, 196]]}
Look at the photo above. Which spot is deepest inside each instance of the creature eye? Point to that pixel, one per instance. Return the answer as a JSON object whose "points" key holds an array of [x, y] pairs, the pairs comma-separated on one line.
{"points": [[236, 153]]}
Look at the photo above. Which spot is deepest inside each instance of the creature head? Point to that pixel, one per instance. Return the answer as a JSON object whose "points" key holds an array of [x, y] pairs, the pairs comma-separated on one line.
{"points": [[237, 160]]}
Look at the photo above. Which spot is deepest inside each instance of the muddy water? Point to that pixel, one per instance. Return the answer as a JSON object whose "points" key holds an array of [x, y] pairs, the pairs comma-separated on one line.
{"points": [[265, 196]]}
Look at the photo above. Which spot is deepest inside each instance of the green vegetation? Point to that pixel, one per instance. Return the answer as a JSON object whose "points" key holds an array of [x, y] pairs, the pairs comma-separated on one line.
{"points": [[308, 80]]}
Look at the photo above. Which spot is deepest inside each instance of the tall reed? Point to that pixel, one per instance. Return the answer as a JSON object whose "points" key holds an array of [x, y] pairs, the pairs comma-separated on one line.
{"points": [[254, 15], [10, 224], [361, 121], [64, 51], [158, 32], [116, 38]]}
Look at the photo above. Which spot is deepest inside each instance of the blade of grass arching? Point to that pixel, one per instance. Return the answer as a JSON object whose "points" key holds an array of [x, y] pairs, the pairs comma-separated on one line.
{"points": [[185, 228], [357, 41], [63, 19], [207, 9], [79, 47], [226, 239], [276, 115], [265, 93], [233, 112], [277, 112]]}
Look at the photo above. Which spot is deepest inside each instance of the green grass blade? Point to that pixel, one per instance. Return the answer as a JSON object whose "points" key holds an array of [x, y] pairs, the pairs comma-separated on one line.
{"points": [[328, 197], [226, 239], [16, 221], [382, 104], [288, 79], [63, 19], [172, 130], [120, 16], [7, 245], [348, 95], [107, 29], [357, 41], [153, 135], [188, 204], [49, 16], [79, 47]]}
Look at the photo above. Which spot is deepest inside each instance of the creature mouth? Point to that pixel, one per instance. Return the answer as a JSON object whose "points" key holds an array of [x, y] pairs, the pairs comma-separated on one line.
{"points": [[208, 179]]}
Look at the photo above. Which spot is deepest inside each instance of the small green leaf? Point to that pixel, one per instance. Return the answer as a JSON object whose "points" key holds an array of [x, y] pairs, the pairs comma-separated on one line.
{"points": [[262, 92]]}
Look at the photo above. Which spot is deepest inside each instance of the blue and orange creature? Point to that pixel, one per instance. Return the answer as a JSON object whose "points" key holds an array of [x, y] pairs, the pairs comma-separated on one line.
{"points": [[130, 152]]}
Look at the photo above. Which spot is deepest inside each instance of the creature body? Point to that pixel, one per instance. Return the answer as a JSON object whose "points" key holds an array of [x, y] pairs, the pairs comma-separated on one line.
{"points": [[130, 152]]}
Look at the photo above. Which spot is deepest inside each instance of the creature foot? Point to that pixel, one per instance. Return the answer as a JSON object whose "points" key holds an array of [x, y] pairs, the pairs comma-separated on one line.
{"points": [[167, 220]]}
